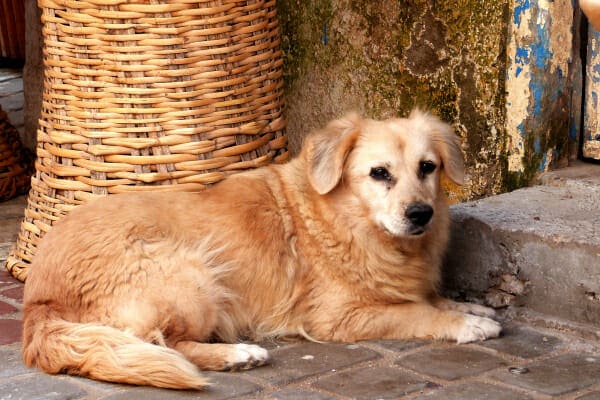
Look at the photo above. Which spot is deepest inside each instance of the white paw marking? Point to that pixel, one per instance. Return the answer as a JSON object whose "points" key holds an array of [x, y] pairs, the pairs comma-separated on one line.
{"points": [[244, 356], [477, 328]]}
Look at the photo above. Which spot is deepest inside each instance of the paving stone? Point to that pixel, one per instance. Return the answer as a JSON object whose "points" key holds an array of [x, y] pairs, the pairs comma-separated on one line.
{"points": [[6, 308], [11, 330], [589, 396], [224, 386], [473, 390], [274, 344], [451, 362], [298, 394], [17, 116], [14, 293], [11, 86], [4, 251], [12, 103], [373, 383], [523, 342], [8, 74], [308, 359], [92, 385], [40, 387], [6, 278], [558, 375], [400, 345], [12, 363], [13, 208]]}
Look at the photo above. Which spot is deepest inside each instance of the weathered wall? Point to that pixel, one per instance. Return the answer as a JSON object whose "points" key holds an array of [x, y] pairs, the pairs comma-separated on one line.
{"points": [[591, 127], [543, 84], [384, 57], [505, 73]]}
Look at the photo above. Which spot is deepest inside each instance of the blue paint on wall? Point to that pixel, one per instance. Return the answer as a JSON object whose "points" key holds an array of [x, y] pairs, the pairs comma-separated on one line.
{"points": [[573, 130], [521, 59], [520, 7], [596, 73], [521, 129], [540, 59], [543, 163], [522, 55], [540, 47]]}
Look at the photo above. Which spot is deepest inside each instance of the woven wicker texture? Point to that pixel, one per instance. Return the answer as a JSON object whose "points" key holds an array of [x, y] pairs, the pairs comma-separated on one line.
{"points": [[15, 161], [150, 95]]}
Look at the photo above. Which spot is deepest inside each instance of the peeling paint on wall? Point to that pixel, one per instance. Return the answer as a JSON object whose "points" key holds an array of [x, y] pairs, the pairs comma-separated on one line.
{"points": [[501, 72], [539, 87], [591, 139]]}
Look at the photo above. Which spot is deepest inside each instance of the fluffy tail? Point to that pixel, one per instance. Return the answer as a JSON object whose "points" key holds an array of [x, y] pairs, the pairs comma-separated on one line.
{"points": [[101, 352]]}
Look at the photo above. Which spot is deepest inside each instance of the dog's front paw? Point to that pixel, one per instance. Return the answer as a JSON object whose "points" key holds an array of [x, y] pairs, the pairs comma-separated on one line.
{"points": [[246, 356], [477, 328]]}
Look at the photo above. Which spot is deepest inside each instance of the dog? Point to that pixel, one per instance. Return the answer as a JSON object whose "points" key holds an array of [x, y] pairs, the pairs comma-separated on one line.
{"points": [[343, 243]]}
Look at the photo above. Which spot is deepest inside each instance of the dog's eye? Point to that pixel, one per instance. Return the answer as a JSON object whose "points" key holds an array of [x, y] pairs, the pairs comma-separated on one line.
{"points": [[380, 174], [426, 167]]}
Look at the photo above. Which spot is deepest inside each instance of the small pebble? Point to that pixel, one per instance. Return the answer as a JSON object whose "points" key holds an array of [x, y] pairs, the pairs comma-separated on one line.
{"points": [[518, 370]]}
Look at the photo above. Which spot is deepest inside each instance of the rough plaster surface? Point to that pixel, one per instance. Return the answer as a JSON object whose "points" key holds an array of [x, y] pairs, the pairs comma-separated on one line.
{"points": [[591, 139], [382, 58], [542, 67], [545, 238], [506, 74]]}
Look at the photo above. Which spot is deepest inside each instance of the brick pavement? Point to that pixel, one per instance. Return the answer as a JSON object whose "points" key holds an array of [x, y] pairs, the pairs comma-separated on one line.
{"points": [[528, 362]]}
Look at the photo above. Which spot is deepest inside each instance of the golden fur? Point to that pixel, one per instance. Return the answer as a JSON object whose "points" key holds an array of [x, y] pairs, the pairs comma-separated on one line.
{"points": [[132, 288]]}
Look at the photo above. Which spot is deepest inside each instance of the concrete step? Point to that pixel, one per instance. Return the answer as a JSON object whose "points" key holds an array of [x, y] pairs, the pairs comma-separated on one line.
{"points": [[535, 249]]}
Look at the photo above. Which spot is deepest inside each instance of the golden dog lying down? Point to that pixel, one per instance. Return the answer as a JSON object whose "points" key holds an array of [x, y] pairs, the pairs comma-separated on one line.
{"points": [[343, 243]]}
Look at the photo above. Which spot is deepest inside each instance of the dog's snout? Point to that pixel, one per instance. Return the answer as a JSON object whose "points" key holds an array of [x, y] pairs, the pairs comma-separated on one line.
{"points": [[419, 213]]}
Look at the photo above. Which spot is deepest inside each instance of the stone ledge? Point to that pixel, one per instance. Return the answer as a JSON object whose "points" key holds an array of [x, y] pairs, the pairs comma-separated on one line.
{"points": [[537, 247]]}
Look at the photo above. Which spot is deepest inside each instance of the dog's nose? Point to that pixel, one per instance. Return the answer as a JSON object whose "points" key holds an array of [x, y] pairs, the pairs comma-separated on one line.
{"points": [[419, 213]]}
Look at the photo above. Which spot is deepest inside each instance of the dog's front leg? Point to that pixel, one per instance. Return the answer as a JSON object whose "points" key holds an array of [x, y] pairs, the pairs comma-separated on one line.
{"points": [[470, 308], [413, 320]]}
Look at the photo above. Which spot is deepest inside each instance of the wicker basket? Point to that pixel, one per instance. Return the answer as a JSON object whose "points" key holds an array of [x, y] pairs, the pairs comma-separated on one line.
{"points": [[150, 95], [15, 161]]}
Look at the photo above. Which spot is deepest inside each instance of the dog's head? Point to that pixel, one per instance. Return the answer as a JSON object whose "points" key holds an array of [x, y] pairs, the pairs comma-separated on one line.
{"points": [[392, 168]]}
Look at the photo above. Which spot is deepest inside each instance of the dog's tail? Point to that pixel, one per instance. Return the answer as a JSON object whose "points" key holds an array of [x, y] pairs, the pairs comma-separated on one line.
{"points": [[101, 352]]}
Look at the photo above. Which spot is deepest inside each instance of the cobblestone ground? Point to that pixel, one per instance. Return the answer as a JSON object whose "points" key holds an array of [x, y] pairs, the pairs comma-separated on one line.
{"points": [[527, 362]]}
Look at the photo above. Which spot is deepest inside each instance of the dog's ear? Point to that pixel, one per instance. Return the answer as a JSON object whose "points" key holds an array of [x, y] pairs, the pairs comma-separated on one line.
{"points": [[326, 150], [447, 143]]}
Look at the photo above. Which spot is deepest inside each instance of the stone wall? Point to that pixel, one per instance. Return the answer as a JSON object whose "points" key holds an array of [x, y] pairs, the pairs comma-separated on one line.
{"points": [[384, 57]]}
